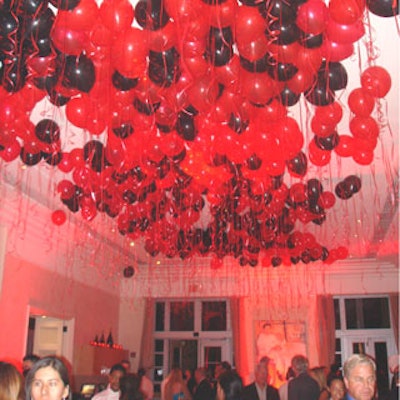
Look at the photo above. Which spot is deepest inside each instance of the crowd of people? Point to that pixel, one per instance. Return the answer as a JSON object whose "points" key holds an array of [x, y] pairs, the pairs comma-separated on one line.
{"points": [[48, 378]]}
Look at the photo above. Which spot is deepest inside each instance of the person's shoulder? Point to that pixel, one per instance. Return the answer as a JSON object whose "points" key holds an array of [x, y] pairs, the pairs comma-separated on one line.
{"points": [[100, 395], [248, 387]]}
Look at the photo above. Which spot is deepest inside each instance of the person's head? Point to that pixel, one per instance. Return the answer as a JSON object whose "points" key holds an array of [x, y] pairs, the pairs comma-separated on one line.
{"points": [[11, 387], [336, 388], [290, 373], [360, 376], [130, 387], [200, 374], [141, 372], [27, 362], [299, 364], [48, 378], [319, 374], [117, 371], [126, 364], [229, 386], [261, 373], [221, 368]]}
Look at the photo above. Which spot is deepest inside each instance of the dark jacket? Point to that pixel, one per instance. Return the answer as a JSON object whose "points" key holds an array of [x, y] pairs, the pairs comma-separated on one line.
{"points": [[250, 392], [204, 391], [303, 387]]}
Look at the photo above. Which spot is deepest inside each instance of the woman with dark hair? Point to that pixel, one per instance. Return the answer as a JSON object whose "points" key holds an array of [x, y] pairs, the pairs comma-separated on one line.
{"points": [[229, 386], [48, 379], [11, 386], [129, 385]]}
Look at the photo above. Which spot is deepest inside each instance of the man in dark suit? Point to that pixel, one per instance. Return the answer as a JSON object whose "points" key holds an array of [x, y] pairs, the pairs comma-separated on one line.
{"points": [[259, 389], [203, 389], [303, 386]]}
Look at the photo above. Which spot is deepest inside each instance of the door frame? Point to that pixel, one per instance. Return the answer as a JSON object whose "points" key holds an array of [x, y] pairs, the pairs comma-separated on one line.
{"points": [[68, 331]]}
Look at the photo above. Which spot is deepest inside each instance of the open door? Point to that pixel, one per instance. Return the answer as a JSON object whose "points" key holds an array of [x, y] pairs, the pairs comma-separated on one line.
{"points": [[52, 336]]}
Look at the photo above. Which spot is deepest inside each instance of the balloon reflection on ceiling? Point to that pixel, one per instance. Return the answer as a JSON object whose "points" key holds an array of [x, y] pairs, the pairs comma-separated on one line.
{"points": [[187, 107]]}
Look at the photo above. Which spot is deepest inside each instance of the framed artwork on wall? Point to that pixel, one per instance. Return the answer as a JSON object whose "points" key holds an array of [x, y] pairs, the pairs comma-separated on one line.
{"points": [[279, 341]]}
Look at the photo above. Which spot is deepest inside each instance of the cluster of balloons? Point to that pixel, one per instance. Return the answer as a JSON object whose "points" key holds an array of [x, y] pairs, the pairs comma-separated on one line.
{"points": [[192, 99]]}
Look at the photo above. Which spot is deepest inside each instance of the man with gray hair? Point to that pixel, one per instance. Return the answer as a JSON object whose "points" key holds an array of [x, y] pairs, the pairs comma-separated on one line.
{"points": [[359, 372], [259, 389], [303, 386]]}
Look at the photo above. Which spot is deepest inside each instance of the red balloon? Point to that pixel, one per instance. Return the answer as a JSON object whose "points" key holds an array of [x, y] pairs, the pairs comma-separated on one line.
{"points": [[258, 88], [80, 18], [363, 157], [346, 11], [365, 128], [249, 25], [69, 41], [164, 38], [253, 50], [345, 147], [334, 51], [203, 93], [58, 217], [222, 14], [11, 151], [77, 111], [65, 165], [66, 189], [312, 16], [376, 81], [308, 59], [303, 80], [129, 52], [116, 15], [330, 114], [326, 200], [360, 102], [318, 156], [341, 33], [321, 129]]}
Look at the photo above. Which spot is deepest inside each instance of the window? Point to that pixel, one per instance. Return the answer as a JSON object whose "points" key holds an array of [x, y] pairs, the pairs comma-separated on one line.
{"points": [[368, 313], [182, 316], [213, 316], [363, 326]]}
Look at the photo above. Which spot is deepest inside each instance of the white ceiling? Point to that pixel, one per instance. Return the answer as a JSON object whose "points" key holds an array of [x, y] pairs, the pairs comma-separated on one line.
{"points": [[367, 224]]}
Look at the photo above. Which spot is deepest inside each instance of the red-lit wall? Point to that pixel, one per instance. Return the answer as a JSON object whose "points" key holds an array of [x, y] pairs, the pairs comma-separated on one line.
{"points": [[29, 287]]}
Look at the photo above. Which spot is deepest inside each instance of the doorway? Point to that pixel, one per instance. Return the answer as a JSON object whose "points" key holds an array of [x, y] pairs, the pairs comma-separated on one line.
{"points": [[50, 336]]}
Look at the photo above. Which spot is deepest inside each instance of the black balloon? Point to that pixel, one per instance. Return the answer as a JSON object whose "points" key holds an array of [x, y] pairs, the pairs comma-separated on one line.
{"points": [[47, 131], [93, 153], [30, 158], [343, 191], [310, 41], [314, 189], [123, 130], [283, 10], [164, 69], [333, 74], [79, 73], [298, 164], [123, 83], [145, 107], [13, 73], [353, 183], [150, 14], [65, 4], [238, 123], [52, 159], [219, 45], [319, 95], [185, 126], [281, 34], [129, 271], [383, 8], [288, 98], [328, 142], [8, 23], [259, 65], [282, 71]]}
